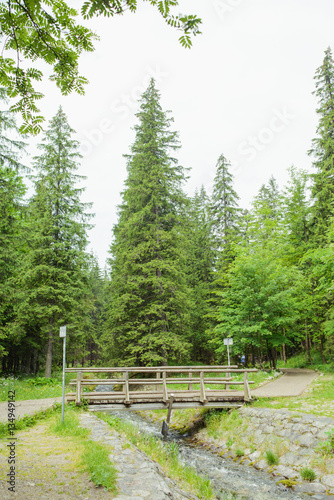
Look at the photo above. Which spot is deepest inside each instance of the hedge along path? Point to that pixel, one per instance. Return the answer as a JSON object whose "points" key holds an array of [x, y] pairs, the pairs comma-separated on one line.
{"points": [[47, 468]]}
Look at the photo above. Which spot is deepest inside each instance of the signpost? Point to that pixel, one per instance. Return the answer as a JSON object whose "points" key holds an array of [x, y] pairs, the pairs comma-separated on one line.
{"points": [[62, 333], [228, 342]]}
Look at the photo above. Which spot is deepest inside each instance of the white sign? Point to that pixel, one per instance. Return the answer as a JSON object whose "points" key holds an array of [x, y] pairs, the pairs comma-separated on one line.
{"points": [[62, 331], [228, 341]]}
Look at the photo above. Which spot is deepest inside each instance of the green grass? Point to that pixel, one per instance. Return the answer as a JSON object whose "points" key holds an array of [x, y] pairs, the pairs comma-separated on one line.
{"points": [[95, 457], [29, 420], [166, 455], [307, 474], [318, 399], [271, 457], [300, 361], [32, 387]]}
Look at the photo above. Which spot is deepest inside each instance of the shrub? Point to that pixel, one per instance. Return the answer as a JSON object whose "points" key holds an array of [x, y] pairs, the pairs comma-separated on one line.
{"points": [[271, 457], [307, 474]]}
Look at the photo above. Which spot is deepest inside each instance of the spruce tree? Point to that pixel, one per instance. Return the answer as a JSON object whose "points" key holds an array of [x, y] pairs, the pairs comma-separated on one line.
{"points": [[266, 223], [224, 212], [12, 190], [200, 265], [323, 151], [53, 276], [149, 303]]}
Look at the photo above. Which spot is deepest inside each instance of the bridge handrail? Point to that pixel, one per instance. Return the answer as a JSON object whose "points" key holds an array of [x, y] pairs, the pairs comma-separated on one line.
{"points": [[162, 379]]}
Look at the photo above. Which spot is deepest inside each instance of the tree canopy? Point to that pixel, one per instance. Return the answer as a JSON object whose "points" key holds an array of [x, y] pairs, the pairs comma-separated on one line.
{"points": [[48, 31]]}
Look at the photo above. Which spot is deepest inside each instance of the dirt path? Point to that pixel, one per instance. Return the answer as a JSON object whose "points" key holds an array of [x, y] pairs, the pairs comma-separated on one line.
{"points": [[292, 383], [28, 407], [47, 467]]}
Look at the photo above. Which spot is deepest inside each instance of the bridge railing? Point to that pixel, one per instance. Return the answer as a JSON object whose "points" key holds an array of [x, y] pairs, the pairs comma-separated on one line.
{"points": [[162, 378]]}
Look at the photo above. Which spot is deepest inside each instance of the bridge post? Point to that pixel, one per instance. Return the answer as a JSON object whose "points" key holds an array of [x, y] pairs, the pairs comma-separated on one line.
{"points": [[190, 386], [126, 387], [165, 424], [247, 394], [164, 387], [79, 388], [202, 388], [158, 377]]}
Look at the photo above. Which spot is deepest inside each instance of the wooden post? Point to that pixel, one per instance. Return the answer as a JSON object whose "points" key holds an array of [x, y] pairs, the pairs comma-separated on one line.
{"points": [[79, 388], [165, 424], [247, 394], [126, 388], [158, 377], [164, 388], [170, 404], [202, 397], [190, 386]]}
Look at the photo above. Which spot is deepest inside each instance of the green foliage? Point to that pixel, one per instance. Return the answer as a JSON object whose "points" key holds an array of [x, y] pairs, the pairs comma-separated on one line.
{"points": [[307, 474], [271, 457], [149, 318], [323, 151], [95, 457], [327, 447], [53, 277], [29, 420], [97, 463], [49, 31], [40, 381]]}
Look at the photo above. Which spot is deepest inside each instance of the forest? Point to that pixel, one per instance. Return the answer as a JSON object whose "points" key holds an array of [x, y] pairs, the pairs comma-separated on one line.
{"points": [[184, 271]]}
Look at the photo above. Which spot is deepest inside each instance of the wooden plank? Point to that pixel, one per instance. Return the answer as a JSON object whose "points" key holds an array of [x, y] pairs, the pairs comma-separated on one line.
{"points": [[190, 381], [162, 406], [142, 368], [197, 369]]}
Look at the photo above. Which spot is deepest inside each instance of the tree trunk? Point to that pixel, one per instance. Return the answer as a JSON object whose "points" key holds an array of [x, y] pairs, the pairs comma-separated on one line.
{"points": [[284, 354], [308, 350], [48, 362], [323, 359]]}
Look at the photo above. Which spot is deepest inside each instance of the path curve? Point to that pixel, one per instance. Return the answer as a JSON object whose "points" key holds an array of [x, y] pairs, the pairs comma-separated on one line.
{"points": [[293, 382], [27, 407]]}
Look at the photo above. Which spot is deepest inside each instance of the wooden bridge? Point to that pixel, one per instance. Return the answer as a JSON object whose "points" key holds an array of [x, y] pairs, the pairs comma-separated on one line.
{"points": [[138, 388]]}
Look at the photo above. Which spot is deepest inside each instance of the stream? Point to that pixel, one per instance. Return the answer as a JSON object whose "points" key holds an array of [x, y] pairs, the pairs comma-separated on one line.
{"points": [[229, 479]]}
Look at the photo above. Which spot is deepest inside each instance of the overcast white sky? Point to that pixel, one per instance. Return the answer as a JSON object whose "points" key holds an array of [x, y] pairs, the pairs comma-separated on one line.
{"points": [[244, 89]]}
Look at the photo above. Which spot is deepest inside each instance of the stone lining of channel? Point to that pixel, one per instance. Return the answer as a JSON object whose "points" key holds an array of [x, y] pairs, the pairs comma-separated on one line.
{"points": [[138, 476], [302, 432]]}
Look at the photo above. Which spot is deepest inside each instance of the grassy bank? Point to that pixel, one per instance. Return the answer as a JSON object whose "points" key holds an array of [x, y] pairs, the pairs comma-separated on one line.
{"points": [[93, 457], [166, 455]]}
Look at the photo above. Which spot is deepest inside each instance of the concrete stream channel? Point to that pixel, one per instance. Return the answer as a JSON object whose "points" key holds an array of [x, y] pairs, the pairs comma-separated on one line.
{"points": [[228, 478]]}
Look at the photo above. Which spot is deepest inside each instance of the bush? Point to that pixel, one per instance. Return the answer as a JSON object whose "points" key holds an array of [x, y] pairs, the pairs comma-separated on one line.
{"points": [[271, 457], [307, 474], [43, 381]]}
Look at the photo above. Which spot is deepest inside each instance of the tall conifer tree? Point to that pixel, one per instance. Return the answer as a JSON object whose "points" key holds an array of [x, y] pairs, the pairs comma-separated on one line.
{"points": [[149, 310], [53, 276], [323, 150], [12, 190], [224, 211]]}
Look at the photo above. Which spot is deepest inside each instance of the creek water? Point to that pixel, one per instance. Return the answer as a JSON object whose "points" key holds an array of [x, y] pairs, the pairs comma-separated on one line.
{"points": [[229, 479]]}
